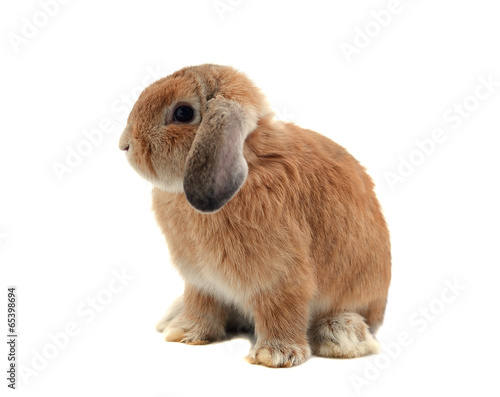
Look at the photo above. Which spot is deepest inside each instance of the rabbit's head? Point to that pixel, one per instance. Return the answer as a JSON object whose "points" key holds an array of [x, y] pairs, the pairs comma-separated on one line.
{"points": [[185, 133]]}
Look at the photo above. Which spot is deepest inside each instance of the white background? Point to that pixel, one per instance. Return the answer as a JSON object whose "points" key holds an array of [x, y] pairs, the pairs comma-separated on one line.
{"points": [[62, 237]]}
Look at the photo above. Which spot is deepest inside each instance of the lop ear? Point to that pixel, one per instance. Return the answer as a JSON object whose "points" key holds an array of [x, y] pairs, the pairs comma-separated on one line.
{"points": [[215, 166]]}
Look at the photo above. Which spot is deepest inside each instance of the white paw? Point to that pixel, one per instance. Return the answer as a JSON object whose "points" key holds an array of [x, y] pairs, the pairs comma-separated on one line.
{"points": [[345, 335], [190, 337], [279, 354]]}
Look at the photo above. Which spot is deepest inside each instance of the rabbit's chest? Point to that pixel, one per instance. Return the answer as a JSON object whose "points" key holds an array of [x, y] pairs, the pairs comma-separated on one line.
{"points": [[222, 253], [223, 263], [218, 264]]}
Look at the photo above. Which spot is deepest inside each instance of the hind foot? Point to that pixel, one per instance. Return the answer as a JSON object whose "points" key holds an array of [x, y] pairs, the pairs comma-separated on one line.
{"points": [[344, 335]]}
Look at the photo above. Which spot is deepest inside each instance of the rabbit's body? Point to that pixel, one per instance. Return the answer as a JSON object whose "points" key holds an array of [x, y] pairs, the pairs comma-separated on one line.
{"points": [[289, 220], [300, 250]]}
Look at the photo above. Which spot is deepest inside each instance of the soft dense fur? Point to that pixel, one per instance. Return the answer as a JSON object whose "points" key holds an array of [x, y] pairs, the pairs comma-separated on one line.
{"points": [[269, 224]]}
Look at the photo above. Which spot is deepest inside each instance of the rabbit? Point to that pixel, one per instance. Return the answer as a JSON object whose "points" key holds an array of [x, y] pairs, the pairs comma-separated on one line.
{"points": [[271, 226]]}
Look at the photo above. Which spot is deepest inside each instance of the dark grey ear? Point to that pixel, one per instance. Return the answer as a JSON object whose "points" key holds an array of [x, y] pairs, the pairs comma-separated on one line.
{"points": [[215, 166]]}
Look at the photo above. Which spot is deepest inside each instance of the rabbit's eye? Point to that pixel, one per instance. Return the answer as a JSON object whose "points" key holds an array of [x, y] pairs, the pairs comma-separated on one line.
{"points": [[184, 114]]}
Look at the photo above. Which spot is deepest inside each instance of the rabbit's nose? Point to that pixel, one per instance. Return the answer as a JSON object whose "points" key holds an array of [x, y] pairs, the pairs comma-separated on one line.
{"points": [[125, 140]]}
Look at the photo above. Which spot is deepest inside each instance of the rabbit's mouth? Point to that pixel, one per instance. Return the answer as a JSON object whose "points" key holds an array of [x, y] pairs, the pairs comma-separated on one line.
{"points": [[157, 171], [162, 180]]}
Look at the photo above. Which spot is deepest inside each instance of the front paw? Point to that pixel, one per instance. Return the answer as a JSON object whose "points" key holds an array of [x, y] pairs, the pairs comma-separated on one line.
{"points": [[194, 318], [193, 334], [279, 354], [172, 334]]}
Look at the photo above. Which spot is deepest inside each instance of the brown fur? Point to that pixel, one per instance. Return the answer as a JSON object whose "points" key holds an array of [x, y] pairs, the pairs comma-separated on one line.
{"points": [[301, 242]]}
